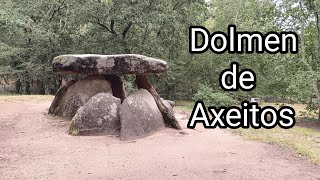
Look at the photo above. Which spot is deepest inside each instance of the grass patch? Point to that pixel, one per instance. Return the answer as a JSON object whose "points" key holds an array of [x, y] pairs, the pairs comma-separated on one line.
{"points": [[184, 104], [303, 141], [14, 97], [299, 108], [185, 108]]}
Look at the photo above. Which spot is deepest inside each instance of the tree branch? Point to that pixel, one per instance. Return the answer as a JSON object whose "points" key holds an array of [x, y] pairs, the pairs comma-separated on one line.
{"points": [[178, 5], [104, 26], [160, 29], [112, 27], [57, 10], [126, 29]]}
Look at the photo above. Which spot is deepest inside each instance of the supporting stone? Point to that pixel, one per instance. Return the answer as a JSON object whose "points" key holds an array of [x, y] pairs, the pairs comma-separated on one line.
{"points": [[59, 95], [117, 85], [79, 93], [168, 115]]}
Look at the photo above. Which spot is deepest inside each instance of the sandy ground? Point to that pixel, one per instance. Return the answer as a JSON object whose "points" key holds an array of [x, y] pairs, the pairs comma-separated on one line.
{"points": [[36, 146]]}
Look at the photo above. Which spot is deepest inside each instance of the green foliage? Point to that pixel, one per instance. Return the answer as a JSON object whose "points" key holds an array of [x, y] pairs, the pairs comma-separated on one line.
{"points": [[129, 87], [34, 32], [300, 85], [211, 98]]}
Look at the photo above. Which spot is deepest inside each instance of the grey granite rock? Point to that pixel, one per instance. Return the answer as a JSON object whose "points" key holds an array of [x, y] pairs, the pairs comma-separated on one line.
{"points": [[93, 64], [140, 116], [99, 114], [78, 94]]}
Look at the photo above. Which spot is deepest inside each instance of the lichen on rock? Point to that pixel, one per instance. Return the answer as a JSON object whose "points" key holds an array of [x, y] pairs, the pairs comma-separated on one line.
{"points": [[140, 116], [99, 114]]}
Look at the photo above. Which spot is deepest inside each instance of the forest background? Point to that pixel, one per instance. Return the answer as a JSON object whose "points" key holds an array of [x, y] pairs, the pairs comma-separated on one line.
{"points": [[33, 32]]}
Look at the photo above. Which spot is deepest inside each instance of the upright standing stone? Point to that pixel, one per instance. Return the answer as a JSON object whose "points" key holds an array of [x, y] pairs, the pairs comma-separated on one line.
{"points": [[78, 94]]}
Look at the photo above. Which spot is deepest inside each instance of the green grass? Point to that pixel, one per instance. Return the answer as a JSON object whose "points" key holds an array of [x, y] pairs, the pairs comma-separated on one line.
{"points": [[17, 97], [186, 105], [303, 141]]}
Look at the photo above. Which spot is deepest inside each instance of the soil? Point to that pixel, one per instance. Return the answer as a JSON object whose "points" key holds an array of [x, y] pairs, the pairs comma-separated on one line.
{"points": [[34, 145]]}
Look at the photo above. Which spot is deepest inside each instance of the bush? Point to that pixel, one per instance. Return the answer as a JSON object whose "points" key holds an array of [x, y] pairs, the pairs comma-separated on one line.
{"points": [[129, 87], [211, 98]]}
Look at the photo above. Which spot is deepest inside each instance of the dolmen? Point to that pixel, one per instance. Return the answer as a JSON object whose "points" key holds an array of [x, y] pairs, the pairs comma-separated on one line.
{"points": [[98, 103]]}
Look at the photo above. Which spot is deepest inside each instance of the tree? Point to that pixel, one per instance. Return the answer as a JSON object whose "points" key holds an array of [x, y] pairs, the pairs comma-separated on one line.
{"points": [[46, 29]]}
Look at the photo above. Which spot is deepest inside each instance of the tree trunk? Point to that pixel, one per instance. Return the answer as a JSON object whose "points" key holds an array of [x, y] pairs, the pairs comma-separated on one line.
{"points": [[168, 115], [27, 89], [307, 64], [6, 80], [316, 14]]}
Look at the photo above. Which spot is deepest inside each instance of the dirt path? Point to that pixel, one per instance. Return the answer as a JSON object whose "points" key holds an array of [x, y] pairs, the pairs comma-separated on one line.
{"points": [[36, 146]]}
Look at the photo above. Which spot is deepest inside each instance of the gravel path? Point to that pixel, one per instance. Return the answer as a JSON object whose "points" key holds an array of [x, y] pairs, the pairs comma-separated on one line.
{"points": [[36, 146]]}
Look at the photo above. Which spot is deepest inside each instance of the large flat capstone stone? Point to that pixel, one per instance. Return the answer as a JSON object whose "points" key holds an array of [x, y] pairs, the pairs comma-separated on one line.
{"points": [[140, 116], [93, 64]]}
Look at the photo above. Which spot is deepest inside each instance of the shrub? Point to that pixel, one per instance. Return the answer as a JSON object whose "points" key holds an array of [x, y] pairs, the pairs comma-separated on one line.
{"points": [[211, 98], [129, 87]]}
